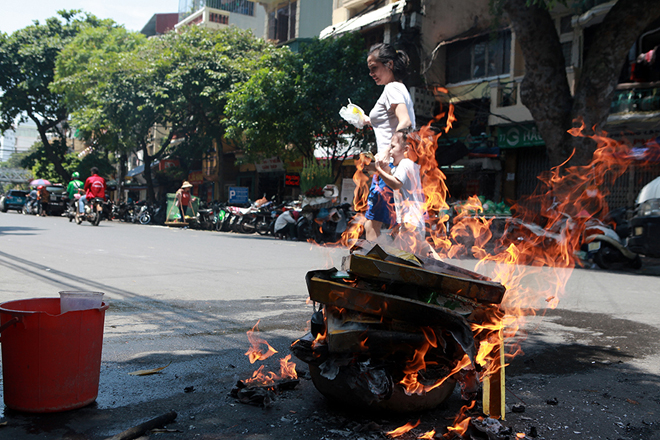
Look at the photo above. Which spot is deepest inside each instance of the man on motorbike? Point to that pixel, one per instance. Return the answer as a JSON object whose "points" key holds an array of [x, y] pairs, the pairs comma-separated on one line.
{"points": [[74, 187], [94, 187]]}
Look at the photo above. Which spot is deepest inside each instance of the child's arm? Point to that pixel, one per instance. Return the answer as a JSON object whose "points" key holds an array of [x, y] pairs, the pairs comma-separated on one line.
{"points": [[386, 174]]}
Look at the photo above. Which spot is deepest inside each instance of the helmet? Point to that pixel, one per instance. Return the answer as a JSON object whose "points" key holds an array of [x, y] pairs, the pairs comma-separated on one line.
{"points": [[40, 187], [75, 174]]}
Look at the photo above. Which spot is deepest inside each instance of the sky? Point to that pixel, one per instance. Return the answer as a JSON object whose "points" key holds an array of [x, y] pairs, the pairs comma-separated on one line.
{"points": [[133, 14]]}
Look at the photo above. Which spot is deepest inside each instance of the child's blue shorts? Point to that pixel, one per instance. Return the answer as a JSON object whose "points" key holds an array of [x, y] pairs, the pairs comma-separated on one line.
{"points": [[380, 202]]}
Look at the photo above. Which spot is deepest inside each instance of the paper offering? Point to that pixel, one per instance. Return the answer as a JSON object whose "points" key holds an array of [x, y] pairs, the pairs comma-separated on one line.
{"points": [[353, 114]]}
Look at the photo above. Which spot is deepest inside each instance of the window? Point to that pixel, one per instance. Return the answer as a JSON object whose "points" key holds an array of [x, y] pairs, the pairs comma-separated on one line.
{"points": [[244, 7], [282, 22], [567, 49], [480, 57]]}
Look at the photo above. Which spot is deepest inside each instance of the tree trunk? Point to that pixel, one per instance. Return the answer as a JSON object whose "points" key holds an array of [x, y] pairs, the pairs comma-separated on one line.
{"points": [[146, 159], [544, 90], [48, 148], [121, 177]]}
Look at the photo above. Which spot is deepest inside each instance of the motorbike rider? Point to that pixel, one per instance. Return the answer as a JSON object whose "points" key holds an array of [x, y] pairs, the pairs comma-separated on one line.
{"points": [[33, 200], [74, 187], [94, 187]]}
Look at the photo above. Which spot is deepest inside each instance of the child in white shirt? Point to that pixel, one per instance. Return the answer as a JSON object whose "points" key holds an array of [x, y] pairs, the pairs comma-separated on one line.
{"points": [[406, 182]]}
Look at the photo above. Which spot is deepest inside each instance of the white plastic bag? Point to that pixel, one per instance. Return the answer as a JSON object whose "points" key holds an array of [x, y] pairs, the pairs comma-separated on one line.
{"points": [[353, 114]]}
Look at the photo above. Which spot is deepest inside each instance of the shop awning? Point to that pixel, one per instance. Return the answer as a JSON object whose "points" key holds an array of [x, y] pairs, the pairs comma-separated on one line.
{"points": [[379, 16], [135, 171]]}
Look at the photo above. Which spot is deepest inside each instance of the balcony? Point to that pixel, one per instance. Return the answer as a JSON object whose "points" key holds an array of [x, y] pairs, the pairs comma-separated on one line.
{"points": [[636, 97], [206, 17], [635, 106]]}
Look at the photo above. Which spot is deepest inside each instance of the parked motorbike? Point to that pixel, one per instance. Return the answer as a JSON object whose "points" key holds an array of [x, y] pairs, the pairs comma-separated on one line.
{"points": [[645, 224], [206, 218], [93, 212], [257, 218], [606, 240], [223, 218], [325, 225]]}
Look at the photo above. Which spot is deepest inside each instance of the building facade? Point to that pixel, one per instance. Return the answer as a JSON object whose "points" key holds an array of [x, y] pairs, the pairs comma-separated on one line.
{"points": [[462, 55], [217, 14], [18, 140]]}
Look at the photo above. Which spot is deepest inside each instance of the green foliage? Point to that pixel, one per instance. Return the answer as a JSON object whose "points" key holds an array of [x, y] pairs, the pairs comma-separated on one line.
{"points": [[315, 175], [41, 167], [14, 161], [35, 160], [290, 105], [27, 65]]}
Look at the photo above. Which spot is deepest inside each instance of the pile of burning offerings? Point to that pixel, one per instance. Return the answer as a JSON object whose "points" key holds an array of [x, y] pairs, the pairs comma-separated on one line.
{"points": [[397, 332], [262, 388]]}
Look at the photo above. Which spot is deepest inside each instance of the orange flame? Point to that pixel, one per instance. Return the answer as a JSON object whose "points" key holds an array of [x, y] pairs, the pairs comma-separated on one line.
{"points": [[534, 258], [402, 429], [254, 353], [430, 435], [461, 423]]}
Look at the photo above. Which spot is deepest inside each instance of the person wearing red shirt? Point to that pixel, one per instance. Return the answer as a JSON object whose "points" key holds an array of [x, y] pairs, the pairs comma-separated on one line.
{"points": [[94, 187], [183, 199]]}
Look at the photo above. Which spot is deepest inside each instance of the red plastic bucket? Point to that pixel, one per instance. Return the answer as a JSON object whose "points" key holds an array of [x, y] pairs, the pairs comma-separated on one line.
{"points": [[50, 361]]}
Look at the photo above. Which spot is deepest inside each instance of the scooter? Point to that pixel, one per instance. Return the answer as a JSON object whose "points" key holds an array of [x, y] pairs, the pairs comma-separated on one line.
{"points": [[645, 224], [32, 205], [606, 241], [93, 212]]}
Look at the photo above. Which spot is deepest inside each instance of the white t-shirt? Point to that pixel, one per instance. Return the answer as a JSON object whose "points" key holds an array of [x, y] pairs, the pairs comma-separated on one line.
{"points": [[383, 118], [409, 199], [284, 219]]}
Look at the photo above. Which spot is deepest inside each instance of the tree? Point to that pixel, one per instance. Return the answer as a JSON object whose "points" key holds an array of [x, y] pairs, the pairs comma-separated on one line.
{"points": [[85, 73], [27, 64], [290, 105], [200, 67], [545, 90]]}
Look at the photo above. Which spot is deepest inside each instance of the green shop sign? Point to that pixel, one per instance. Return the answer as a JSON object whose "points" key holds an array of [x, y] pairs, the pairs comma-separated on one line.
{"points": [[517, 136]]}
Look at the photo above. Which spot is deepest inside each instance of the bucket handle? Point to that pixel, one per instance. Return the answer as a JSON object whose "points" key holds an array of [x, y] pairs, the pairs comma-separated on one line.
{"points": [[13, 320]]}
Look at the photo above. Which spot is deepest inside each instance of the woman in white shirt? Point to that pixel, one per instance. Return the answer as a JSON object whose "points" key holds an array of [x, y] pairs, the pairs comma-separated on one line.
{"points": [[393, 112]]}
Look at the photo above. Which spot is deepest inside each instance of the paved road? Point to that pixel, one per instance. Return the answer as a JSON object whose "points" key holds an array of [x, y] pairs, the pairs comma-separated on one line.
{"points": [[188, 297]]}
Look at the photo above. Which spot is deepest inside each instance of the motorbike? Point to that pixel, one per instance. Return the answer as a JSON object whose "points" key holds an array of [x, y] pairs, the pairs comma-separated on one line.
{"points": [[223, 218], [645, 223], [207, 218], [126, 212], [71, 209], [325, 225], [32, 206], [258, 217], [92, 212], [606, 241]]}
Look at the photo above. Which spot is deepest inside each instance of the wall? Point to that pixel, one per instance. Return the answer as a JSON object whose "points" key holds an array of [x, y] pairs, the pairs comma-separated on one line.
{"points": [[448, 19], [313, 17], [257, 23]]}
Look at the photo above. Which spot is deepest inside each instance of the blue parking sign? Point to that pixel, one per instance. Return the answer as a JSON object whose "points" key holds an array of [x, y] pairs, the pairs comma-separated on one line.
{"points": [[238, 194]]}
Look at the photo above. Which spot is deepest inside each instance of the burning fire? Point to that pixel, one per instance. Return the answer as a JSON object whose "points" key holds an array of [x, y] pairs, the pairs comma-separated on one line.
{"points": [[534, 265], [430, 435], [287, 368], [287, 371], [254, 353], [402, 429]]}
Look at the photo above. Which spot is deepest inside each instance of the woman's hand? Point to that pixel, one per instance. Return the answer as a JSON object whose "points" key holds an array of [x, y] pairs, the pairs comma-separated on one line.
{"points": [[383, 156]]}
